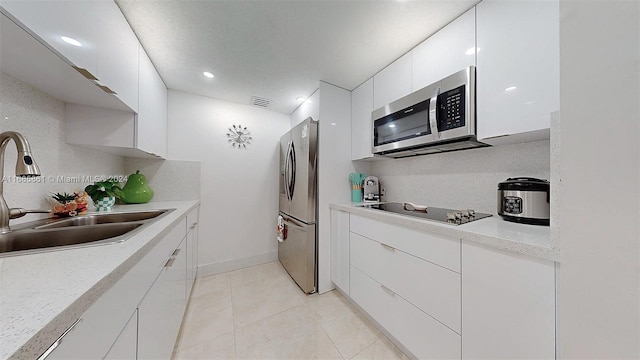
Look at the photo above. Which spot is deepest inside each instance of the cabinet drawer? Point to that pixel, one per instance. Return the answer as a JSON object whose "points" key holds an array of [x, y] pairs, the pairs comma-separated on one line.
{"points": [[432, 288], [439, 250], [192, 218], [425, 337]]}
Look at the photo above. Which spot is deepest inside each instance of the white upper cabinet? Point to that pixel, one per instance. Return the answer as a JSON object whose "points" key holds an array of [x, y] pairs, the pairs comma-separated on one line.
{"points": [[393, 82], [51, 20], [449, 50], [518, 83], [117, 66], [104, 49], [361, 127], [152, 114]]}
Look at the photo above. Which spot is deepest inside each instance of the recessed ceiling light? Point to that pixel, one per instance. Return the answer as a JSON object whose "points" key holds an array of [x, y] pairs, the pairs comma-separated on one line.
{"points": [[510, 88], [529, 102], [392, 125], [471, 51], [333, 124], [301, 99], [70, 41], [208, 74]]}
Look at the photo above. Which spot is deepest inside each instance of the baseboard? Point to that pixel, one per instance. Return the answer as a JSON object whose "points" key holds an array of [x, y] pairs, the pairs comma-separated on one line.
{"points": [[235, 264]]}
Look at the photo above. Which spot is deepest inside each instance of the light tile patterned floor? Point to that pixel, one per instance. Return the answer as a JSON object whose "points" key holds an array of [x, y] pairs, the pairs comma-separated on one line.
{"points": [[260, 313]]}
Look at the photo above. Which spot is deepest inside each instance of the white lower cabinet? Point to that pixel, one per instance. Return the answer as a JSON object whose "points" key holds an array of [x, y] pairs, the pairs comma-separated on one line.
{"points": [[126, 345], [432, 288], [445, 298], [160, 312], [508, 305], [340, 249], [421, 334], [192, 249], [141, 314]]}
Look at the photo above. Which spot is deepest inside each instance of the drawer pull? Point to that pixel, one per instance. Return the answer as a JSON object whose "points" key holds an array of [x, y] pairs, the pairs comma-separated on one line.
{"points": [[176, 252], [193, 226], [387, 290], [170, 262], [59, 340], [388, 247]]}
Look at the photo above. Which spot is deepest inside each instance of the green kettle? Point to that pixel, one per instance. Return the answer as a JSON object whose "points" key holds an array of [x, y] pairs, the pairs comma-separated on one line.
{"points": [[136, 190]]}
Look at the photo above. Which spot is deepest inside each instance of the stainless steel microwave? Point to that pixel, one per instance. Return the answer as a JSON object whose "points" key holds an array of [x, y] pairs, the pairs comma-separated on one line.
{"points": [[437, 118]]}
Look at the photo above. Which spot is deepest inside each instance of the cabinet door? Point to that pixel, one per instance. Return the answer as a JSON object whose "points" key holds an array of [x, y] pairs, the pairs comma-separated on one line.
{"points": [[361, 127], [160, 312], [508, 305], [152, 110], [126, 346], [340, 249], [117, 55], [518, 83], [449, 50], [192, 249], [50, 20], [393, 82], [192, 253]]}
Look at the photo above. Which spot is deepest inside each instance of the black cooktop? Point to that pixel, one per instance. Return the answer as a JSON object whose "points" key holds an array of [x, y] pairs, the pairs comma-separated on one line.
{"points": [[449, 216]]}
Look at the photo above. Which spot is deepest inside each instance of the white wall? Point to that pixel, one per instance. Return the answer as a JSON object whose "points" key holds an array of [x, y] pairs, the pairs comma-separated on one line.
{"points": [[463, 179], [599, 277], [40, 118], [309, 108], [239, 188]]}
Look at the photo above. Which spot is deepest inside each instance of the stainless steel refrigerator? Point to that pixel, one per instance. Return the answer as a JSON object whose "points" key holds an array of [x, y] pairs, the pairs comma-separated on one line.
{"points": [[297, 245]]}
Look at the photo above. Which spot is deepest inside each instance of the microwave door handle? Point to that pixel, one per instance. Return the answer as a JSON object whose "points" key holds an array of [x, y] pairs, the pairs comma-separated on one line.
{"points": [[433, 113]]}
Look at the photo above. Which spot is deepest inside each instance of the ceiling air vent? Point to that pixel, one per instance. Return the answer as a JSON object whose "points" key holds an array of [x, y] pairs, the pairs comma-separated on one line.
{"points": [[260, 102]]}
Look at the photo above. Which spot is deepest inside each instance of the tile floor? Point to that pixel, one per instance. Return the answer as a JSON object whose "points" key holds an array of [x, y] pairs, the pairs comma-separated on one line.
{"points": [[260, 313]]}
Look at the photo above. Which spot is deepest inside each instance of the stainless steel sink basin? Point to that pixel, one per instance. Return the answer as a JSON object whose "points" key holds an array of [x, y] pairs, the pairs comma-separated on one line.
{"points": [[41, 239], [86, 230], [108, 218]]}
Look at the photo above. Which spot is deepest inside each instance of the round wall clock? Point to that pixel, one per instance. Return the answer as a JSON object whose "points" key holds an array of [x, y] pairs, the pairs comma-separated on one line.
{"points": [[239, 137]]}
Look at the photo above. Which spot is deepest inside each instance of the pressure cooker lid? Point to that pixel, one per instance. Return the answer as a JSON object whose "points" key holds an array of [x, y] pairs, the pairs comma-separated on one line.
{"points": [[524, 184]]}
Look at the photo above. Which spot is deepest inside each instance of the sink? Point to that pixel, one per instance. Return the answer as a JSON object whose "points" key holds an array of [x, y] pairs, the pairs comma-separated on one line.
{"points": [[42, 239], [81, 231], [96, 219]]}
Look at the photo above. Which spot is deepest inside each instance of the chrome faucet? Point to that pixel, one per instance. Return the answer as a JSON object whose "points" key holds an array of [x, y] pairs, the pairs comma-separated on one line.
{"points": [[25, 167]]}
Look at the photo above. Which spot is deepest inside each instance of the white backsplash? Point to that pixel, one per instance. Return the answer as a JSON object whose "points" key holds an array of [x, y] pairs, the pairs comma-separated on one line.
{"points": [[463, 179], [170, 179], [40, 118]]}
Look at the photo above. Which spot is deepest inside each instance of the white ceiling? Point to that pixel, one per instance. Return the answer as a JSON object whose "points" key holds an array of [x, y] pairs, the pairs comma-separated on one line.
{"points": [[279, 50]]}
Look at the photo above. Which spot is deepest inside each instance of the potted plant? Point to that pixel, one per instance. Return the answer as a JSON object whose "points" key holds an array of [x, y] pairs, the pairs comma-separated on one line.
{"points": [[104, 193], [64, 204]]}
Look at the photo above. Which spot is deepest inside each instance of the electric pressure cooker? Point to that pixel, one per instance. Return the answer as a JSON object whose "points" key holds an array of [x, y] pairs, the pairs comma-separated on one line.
{"points": [[524, 200]]}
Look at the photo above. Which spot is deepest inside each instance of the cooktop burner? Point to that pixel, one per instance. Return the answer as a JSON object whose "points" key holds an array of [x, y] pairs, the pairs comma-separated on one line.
{"points": [[449, 216]]}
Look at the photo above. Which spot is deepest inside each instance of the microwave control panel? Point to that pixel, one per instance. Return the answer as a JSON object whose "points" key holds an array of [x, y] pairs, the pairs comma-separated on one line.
{"points": [[451, 109]]}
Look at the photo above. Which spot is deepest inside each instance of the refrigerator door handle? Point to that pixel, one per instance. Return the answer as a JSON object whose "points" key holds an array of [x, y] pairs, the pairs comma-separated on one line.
{"points": [[286, 171], [293, 169], [295, 226]]}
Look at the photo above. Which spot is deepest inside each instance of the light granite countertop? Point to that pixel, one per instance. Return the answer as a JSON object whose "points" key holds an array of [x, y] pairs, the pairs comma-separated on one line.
{"points": [[531, 240], [42, 294]]}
